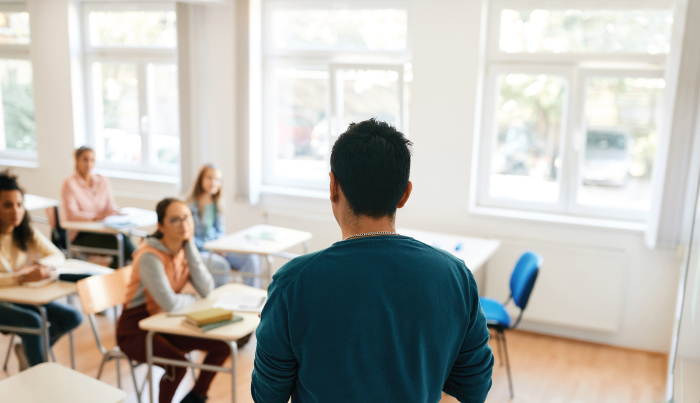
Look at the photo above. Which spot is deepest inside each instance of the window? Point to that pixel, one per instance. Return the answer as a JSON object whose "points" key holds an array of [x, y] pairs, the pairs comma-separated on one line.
{"points": [[17, 129], [326, 65], [572, 103], [132, 86]]}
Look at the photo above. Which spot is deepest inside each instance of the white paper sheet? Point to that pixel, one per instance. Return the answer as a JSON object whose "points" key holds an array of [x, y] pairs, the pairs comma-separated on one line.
{"points": [[238, 302]]}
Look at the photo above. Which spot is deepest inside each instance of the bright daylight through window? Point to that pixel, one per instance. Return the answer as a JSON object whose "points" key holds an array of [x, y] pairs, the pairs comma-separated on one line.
{"points": [[17, 133], [572, 103], [132, 87], [324, 68]]}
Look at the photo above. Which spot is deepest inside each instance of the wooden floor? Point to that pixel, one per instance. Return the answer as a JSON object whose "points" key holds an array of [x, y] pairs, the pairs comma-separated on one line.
{"points": [[545, 369]]}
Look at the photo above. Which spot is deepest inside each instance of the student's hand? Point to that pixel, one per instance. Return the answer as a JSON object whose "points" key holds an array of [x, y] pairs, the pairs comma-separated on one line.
{"points": [[30, 268], [34, 273], [102, 216], [106, 214]]}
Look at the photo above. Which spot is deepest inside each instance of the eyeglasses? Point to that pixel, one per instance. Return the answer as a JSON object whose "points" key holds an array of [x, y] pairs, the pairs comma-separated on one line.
{"points": [[177, 221]]}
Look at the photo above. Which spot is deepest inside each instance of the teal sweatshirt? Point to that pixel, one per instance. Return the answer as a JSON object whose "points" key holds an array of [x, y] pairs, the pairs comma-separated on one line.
{"points": [[376, 319]]}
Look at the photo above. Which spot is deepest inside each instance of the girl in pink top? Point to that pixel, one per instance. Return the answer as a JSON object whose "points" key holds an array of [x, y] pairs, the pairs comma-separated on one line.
{"points": [[86, 196]]}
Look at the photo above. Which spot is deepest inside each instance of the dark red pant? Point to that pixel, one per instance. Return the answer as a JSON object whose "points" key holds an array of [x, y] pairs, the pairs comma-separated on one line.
{"points": [[132, 341]]}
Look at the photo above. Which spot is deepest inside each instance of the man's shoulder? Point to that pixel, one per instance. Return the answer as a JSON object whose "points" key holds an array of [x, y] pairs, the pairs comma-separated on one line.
{"points": [[288, 273], [441, 255], [418, 251]]}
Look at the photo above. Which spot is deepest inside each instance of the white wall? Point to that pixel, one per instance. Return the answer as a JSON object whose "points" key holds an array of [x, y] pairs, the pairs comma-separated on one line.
{"points": [[445, 63]]}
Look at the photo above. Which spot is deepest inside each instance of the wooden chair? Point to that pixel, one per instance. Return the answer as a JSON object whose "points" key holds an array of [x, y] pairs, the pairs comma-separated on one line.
{"points": [[97, 294]]}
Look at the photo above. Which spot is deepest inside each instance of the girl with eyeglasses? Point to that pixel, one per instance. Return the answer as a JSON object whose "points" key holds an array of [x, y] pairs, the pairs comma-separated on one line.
{"points": [[209, 224], [162, 266]]}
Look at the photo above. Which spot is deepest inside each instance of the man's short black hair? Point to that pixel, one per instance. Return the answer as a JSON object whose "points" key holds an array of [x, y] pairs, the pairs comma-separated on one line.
{"points": [[372, 162]]}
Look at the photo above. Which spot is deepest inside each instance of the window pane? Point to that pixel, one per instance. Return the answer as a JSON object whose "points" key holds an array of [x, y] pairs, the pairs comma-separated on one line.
{"points": [[369, 94], [133, 29], [370, 29], [586, 31], [117, 112], [17, 106], [164, 117], [14, 28], [622, 116], [302, 140], [526, 157]]}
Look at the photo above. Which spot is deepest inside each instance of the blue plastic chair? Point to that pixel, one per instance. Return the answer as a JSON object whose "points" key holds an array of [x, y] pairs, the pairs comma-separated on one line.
{"points": [[521, 283]]}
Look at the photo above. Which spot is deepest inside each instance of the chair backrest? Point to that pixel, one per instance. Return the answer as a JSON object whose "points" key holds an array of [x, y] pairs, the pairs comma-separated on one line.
{"points": [[98, 293], [523, 278], [58, 234]]}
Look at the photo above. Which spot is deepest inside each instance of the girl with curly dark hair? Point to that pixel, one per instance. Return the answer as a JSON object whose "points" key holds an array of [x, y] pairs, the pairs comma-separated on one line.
{"points": [[26, 255]]}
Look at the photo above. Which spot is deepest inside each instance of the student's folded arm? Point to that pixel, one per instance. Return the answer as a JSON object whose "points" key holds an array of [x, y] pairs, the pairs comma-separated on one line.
{"points": [[470, 378], [276, 367], [9, 279], [154, 279], [200, 277], [49, 254], [72, 209]]}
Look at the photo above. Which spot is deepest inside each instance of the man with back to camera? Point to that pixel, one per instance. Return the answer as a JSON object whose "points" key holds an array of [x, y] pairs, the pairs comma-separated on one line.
{"points": [[376, 317]]}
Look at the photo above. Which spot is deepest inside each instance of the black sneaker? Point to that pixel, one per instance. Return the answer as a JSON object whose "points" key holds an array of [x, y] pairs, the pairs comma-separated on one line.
{"points": [[193, 398]]}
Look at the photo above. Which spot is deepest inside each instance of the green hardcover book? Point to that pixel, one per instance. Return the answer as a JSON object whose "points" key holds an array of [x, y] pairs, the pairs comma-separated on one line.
{"points": [[211, 326], [206, 316]]}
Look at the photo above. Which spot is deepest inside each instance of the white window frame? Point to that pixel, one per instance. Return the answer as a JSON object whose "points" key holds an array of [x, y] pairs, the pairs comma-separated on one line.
{"points": [[141, 57], [576, 68], [332, 61], [17, 52]]}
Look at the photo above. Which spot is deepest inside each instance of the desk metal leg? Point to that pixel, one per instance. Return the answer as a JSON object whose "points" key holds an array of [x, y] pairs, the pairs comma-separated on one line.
{"points": [[306, 247], [69, 245], [44, 331], [150, 359], [234, 361], [120, 250], [270, 260], [69, 298], [149, 362]]}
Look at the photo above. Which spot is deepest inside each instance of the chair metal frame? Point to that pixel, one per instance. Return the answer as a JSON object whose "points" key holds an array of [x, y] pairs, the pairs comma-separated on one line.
{"points": [[9, 351], [501, 343], [500, 334], [115, 353]]}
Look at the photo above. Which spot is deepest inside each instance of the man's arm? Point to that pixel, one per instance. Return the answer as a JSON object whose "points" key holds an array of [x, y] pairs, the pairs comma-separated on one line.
{"points": [[276, 366], [470, 378]]}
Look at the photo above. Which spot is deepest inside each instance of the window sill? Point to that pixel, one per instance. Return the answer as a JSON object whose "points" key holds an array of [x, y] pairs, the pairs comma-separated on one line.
{"points": [[633, 226], [291, 191], [138, 176], [20, 163]]}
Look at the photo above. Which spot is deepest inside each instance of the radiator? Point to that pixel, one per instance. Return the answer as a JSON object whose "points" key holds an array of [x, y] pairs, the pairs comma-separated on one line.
{"points": [[576, 286]]}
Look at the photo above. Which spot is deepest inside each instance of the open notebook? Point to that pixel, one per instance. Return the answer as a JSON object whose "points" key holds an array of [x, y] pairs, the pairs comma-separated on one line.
{"points": [[238, 302]]}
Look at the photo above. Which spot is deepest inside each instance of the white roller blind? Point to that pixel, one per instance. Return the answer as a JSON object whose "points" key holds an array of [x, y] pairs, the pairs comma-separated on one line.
{"points": [[678, 146]]}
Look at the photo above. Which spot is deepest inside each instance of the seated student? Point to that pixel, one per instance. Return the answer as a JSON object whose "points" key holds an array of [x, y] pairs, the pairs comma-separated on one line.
{"points": [[376, 317], [20, 246], [86, 196], [209, 224], [163, 264]]}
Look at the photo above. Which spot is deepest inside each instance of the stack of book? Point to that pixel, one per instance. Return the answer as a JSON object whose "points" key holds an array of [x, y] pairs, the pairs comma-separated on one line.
{"points": [[209, 319]]}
